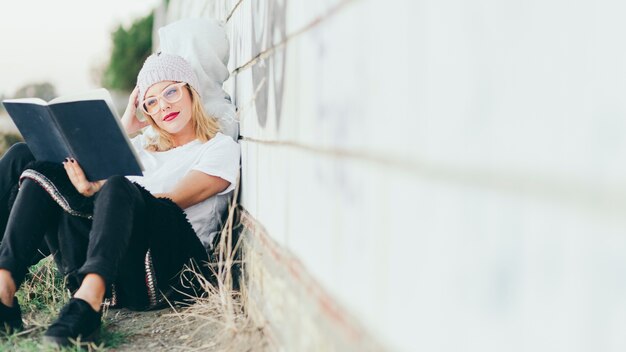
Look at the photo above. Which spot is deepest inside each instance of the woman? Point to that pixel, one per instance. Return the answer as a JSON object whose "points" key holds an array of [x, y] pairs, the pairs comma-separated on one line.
{"points": [[136, 240]]}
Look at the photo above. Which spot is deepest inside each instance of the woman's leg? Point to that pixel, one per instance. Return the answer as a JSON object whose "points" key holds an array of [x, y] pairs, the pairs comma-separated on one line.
{"points": [[123, 229], [118, 207], [12, 164], [69, 247], [33, 213]]}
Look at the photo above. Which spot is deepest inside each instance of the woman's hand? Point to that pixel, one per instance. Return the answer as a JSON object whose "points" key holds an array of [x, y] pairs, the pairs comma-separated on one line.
{"points": [[129, 121], [77, 176]]}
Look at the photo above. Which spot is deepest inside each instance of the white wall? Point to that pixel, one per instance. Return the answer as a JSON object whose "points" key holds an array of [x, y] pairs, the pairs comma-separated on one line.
{"points": [[452, 172]]}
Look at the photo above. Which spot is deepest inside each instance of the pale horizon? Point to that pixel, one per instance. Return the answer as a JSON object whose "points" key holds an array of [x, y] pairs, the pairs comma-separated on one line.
{"points": [[60, 42]]}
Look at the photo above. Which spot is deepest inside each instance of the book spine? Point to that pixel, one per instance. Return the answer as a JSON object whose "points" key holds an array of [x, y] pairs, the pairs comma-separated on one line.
{"points": [[66, 141]]}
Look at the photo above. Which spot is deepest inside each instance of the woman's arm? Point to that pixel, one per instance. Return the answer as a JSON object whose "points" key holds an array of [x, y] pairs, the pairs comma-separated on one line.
{"points": [[192, 189], [195, 187], [129, 121]]}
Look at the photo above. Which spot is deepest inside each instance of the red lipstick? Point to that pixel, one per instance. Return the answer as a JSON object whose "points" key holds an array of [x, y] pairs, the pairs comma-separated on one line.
{"points": [[170, 116]]}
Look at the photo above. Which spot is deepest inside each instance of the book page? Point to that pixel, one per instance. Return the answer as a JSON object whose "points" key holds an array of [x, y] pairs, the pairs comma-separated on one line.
{"points": [[36, 101], [95, 94]]}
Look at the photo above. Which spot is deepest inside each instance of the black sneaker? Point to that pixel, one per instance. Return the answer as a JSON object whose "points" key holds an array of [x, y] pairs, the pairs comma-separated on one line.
{"points": [[76, 321], [10, 318]]}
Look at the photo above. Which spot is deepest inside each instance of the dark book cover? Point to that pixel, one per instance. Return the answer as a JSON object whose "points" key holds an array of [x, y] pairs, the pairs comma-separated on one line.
{"points": [[84, 127]]}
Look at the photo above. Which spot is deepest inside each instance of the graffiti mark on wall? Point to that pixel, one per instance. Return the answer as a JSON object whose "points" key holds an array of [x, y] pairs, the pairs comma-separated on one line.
{"points": [[268, 29]]}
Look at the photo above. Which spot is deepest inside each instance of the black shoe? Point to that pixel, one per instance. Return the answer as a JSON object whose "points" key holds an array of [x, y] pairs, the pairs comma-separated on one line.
{"points": [[10, 318], [76, 321]]}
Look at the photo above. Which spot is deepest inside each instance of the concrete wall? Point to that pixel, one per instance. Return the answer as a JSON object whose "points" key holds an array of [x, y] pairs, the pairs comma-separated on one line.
{"points": [[450, 173]]}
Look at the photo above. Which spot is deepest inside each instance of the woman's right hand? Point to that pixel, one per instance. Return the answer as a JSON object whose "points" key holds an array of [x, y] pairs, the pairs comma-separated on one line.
{"points": [[78, 179], [129, 121]]}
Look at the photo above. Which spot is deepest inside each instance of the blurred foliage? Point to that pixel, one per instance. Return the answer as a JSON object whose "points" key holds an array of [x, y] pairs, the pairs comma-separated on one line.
{"points": [[7, 139], [131, 47], [11, 138], [43, 90]]}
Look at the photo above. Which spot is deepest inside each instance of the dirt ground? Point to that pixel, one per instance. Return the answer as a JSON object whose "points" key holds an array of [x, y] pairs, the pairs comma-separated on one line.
{"points": [[147, 331], [204, 326], [192, 329]]}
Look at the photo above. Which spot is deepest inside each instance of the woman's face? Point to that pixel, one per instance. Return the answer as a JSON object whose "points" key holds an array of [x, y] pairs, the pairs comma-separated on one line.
{"points": [[171, 117]]}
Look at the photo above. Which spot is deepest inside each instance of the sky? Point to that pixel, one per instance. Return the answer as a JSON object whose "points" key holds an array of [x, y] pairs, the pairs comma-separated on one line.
{"points": [[60, 41]]}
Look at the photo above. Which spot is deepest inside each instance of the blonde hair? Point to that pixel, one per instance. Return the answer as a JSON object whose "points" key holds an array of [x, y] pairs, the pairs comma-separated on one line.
{"points": [[205, 126]]}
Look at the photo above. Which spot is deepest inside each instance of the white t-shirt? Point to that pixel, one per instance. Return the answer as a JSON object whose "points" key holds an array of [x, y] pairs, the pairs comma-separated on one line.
{"points": [[217, 157]]}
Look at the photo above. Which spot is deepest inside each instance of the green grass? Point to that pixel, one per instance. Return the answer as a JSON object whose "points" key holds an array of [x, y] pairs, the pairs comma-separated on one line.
{"points": [[43, 290], [41, 297]]}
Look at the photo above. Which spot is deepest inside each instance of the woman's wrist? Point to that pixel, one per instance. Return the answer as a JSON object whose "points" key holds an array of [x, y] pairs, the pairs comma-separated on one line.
{"points": [[126, 121]]}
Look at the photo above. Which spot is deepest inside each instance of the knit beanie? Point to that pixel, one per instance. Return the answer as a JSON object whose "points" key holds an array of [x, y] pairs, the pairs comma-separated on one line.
{"points": [[165, 67]]}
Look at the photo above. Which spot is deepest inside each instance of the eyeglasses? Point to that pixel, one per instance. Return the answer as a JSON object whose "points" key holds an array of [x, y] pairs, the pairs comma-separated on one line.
{"points": [[171, 94]]}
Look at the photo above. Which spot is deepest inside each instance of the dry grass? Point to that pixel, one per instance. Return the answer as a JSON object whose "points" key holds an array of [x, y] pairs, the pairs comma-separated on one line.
{"points": [[218, 320]]}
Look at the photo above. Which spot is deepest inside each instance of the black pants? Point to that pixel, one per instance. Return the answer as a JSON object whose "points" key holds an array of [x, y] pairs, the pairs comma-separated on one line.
{"points": [[127, 241], [12, 164]]}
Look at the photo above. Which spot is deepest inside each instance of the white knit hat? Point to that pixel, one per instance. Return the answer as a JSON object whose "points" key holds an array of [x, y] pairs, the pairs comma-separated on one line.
{"points": [[165, 67]]}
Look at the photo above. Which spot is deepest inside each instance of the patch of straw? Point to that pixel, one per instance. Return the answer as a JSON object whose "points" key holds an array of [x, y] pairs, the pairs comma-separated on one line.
{"points": [[218, 321]]}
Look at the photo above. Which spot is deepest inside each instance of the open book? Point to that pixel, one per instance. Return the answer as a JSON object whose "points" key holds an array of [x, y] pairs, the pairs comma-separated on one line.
{"points": [[84, 127]]}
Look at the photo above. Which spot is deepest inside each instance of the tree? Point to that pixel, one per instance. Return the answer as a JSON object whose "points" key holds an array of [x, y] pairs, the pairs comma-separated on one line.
{"points": [[43, 90], [130, 49]]}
